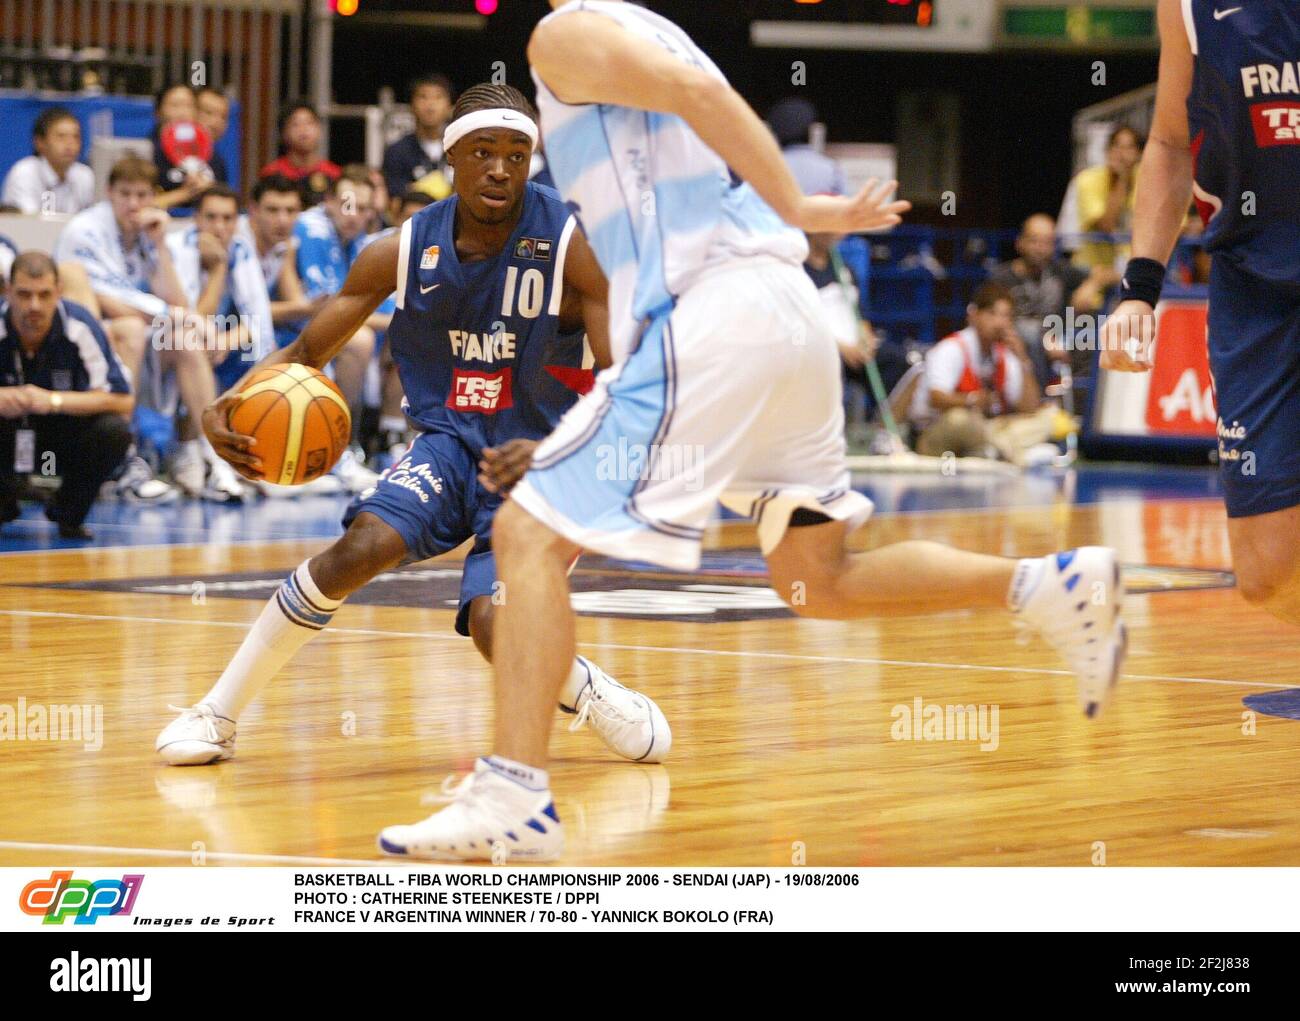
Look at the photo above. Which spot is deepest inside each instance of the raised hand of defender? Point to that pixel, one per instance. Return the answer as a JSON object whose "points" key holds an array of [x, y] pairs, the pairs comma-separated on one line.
{"points": [[869, 209], [1126, 338], [234, 449], [505, 465]]}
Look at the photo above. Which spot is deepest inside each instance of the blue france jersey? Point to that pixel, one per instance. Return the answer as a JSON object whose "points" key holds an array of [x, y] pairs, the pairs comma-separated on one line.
{"points": [[658, 206], [477, 345], [1244, 115]]}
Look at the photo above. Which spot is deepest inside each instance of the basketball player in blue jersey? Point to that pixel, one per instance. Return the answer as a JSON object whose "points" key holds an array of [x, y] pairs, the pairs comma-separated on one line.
{"points": [[493, 285], [1227, 133], [721, 356]]}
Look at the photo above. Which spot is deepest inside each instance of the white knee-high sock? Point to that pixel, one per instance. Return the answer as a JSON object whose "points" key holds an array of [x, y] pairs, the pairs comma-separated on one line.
{"points": [[290, 619]]}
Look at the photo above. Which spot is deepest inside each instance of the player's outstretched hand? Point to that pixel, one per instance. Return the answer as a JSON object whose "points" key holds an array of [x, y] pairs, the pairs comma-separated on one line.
{"points": [[869, 209], [505, 465], [234, 449], [1126, 337]]}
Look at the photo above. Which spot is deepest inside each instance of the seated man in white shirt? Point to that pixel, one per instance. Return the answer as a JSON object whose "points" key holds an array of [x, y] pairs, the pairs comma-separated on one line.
{"points": [[977, 382], [119, 243], [51, 181], [220, 274]]}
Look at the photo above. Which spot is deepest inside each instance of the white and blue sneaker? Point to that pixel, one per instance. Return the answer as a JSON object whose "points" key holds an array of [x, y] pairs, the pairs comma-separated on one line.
{"points": [[630, 723], [491, 816], [197, 737], [1074, 600]]}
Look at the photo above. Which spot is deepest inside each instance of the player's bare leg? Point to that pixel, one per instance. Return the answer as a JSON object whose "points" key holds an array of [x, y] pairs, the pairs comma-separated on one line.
{"points": [[74, 285], [127, 335], [813, 572], [533, 655], [1266, 560], [534, 641], [1073, 598], [350, 366], [197, 388], [298, 611]]}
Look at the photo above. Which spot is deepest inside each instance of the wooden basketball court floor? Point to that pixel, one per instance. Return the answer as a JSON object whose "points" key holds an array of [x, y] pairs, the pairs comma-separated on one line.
{"points": [[784, 740]]}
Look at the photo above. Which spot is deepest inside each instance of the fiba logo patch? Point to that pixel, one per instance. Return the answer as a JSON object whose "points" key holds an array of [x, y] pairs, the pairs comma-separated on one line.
{"points": [[538, 249], [429, 258]]}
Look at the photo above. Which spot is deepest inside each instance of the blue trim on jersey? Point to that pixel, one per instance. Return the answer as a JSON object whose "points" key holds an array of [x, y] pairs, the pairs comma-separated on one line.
{"points": [[116, 378], [576, 481], [689, 203], [614, 240], [627, 208], [581, 144]]}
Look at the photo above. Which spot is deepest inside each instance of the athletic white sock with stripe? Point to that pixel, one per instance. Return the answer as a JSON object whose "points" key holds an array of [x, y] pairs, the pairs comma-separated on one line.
{"points": [[290, 619], [1025, 578], [530, 778]]}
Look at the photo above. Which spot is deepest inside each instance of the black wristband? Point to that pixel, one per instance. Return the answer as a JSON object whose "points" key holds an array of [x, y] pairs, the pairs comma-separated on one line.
{"points": [[1142, 281]]}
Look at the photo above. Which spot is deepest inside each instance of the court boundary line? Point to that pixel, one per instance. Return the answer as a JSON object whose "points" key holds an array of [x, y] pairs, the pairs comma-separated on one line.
{"points": [[167, 852], [677, 650], [727, 522]]}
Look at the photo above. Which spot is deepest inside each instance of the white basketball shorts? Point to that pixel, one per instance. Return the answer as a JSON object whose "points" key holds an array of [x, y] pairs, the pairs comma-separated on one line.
{"points": [[733, 395]]}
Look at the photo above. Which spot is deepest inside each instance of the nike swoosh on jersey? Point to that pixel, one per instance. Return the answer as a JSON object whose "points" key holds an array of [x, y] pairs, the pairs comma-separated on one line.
{"points": [[431, 287], [1220, 15]]}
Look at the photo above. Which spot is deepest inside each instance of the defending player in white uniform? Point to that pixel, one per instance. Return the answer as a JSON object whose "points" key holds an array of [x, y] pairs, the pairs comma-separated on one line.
{"points": [[725, 373]]}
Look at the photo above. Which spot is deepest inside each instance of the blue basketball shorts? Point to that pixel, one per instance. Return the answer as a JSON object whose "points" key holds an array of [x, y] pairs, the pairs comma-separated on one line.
{"points": [[432, 498], [1254, 346]]}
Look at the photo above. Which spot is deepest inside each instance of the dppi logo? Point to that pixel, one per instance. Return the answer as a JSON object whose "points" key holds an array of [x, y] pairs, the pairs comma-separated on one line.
{"points": [[60, 896]]}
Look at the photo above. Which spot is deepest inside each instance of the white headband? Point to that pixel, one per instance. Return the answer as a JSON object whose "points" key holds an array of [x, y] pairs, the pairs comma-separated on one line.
{"points": [[497, 117]]}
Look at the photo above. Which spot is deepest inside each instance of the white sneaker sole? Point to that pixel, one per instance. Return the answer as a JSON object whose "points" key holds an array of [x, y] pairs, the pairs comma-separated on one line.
{"points": [[194, 753]]}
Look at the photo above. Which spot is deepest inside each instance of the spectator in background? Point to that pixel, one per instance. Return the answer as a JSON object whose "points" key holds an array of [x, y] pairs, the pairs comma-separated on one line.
{"points": [[51, 180], [410, 204], [133, 284], [8, 253], [1103, 197], [379, 202], [1041, 284], [393, 429], [268, 229], [791, 121], [417, 161], [180, 177], [276, 204], [977, 382], [818, 174], [212, 111], [301, 158], [222, 280], [62, 392], [329, 238]]}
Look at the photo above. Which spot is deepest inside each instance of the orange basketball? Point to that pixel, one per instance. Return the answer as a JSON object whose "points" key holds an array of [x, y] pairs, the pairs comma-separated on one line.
{"points": [[300, 420]]}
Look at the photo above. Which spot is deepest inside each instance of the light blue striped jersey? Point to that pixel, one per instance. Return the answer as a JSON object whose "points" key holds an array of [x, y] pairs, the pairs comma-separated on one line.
{"points": [[658, 206]]}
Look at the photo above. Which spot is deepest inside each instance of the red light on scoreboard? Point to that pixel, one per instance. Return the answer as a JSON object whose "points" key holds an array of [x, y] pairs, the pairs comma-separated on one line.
{"points": [[849, 12], [346, 8]]}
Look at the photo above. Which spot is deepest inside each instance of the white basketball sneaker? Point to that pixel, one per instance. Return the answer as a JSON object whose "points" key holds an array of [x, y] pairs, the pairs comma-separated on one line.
{"points": [[1074, 601], [491, 817], [224, 484], [189, 469], [198, 737], [629, 723], [353, 473]]}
